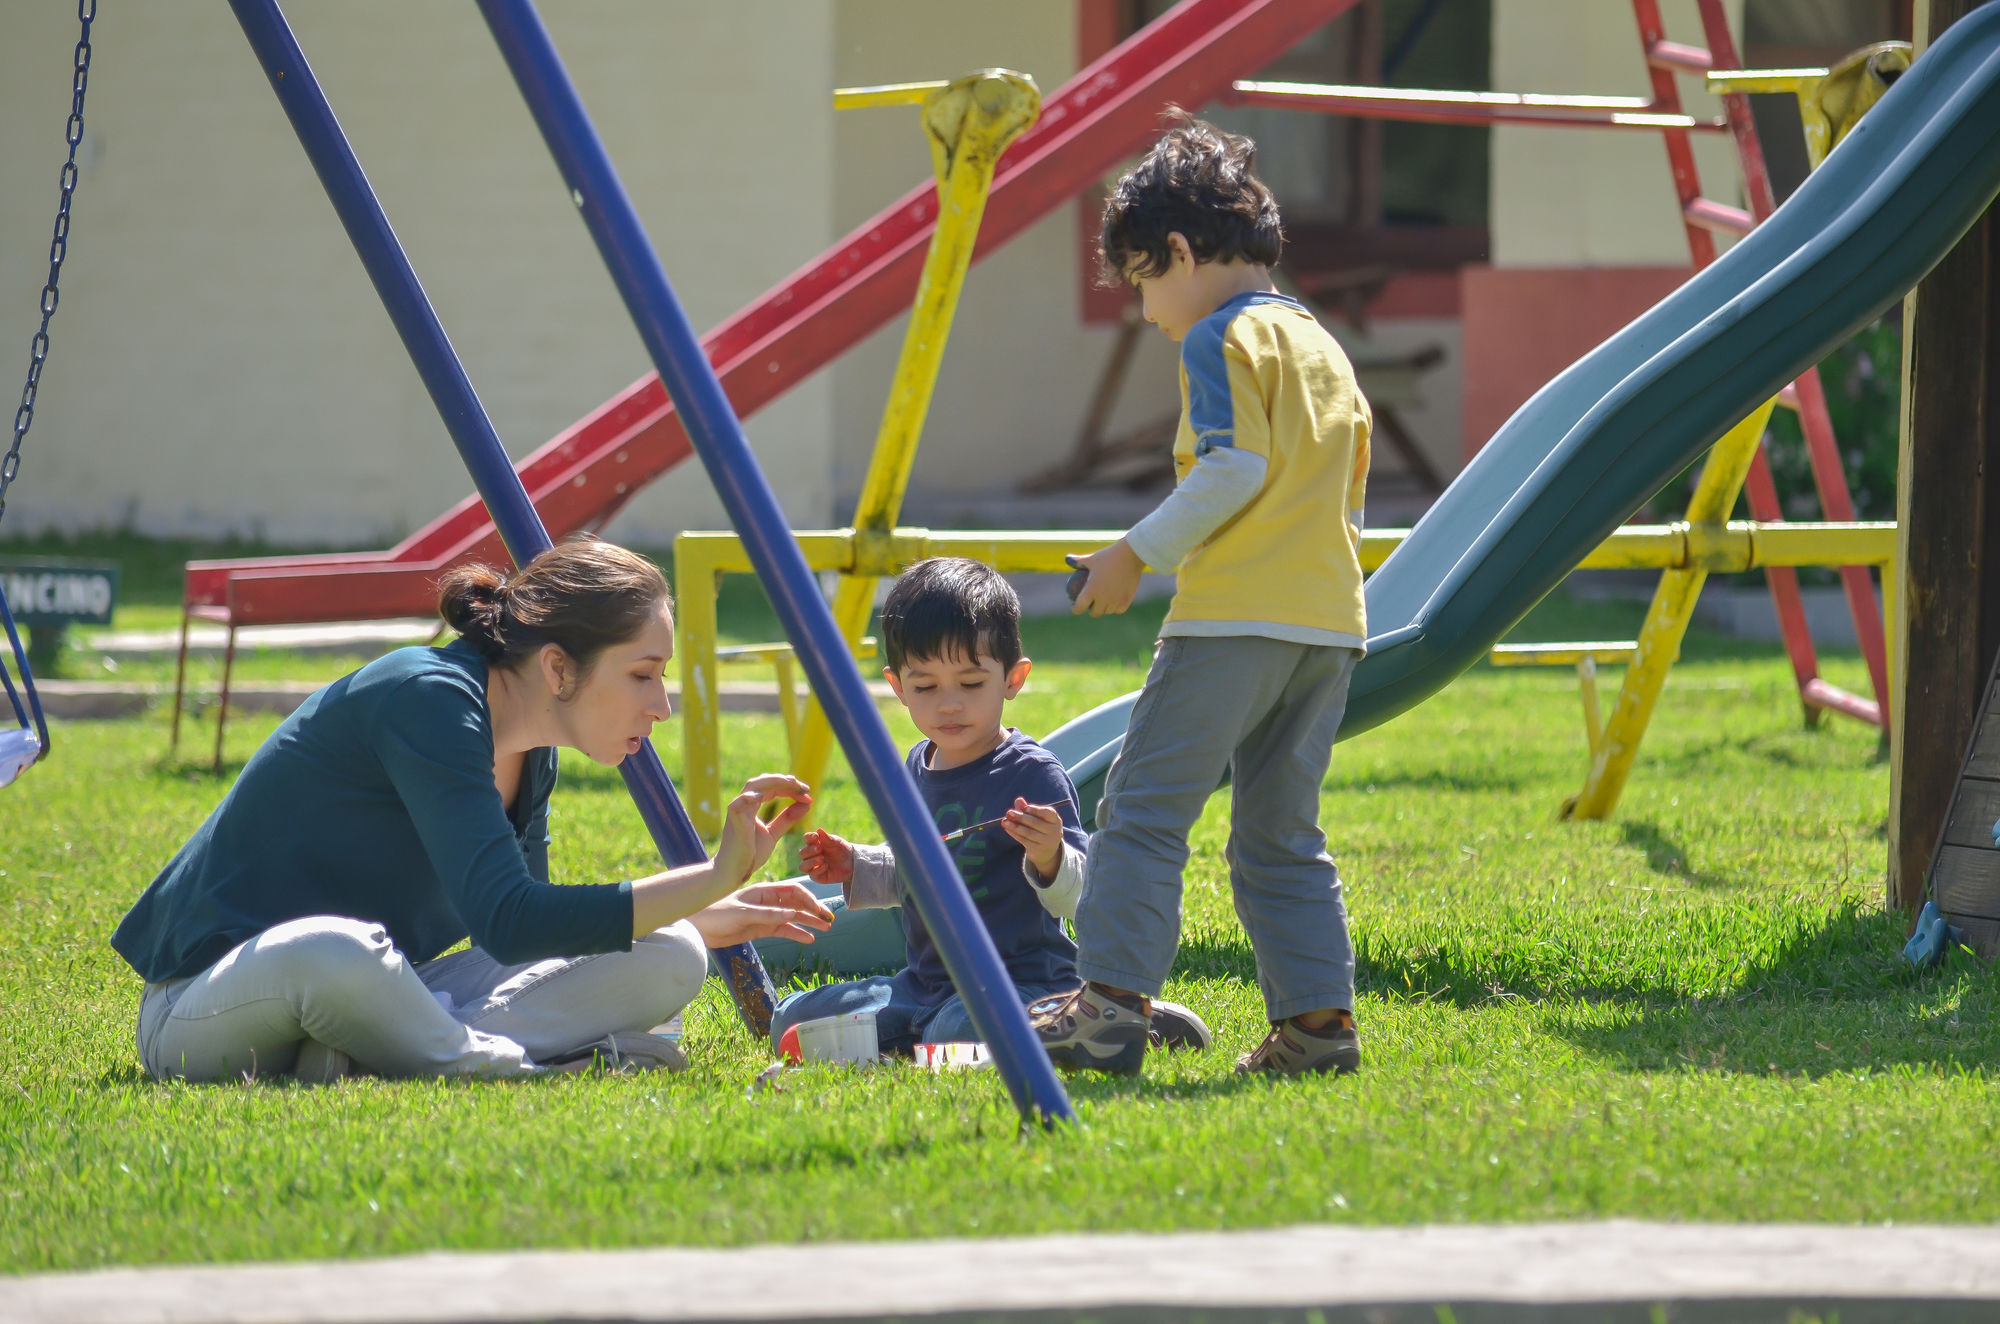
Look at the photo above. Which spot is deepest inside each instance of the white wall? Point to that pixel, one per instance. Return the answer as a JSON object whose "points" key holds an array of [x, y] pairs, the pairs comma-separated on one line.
{"points": [[221, 362], [1594, 197]]}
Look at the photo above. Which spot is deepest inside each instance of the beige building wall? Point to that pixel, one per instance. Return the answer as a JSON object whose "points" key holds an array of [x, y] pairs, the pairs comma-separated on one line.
{"points": [[221, 363], [1594, 197], [1020, 366]]}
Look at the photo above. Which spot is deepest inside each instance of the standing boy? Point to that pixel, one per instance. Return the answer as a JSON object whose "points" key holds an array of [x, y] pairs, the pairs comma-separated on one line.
{"points": [[1251, 671]]}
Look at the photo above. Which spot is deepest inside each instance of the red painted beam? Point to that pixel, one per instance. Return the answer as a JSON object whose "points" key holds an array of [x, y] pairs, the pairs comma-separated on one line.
{"points": [[1110, 109]]}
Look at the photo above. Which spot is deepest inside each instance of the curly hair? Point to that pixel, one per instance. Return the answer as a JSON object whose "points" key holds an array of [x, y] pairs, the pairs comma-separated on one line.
{"points": [[1200, 182]]}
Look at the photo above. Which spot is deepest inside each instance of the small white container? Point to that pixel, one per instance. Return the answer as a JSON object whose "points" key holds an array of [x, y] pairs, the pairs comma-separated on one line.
{"points": [[952, 1056], [847, 1039]]}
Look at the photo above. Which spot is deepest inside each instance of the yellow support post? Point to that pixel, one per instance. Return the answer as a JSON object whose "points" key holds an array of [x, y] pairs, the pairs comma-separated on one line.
{"points": [[1666, 624], [970, 121]]}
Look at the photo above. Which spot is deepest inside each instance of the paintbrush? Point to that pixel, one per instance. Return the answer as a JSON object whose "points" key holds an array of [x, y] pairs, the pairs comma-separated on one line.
{"points": [[971, 828]]}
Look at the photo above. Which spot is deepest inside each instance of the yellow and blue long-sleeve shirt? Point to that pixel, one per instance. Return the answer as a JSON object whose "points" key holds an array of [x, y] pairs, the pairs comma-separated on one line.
{"points": [[1271, 469]]}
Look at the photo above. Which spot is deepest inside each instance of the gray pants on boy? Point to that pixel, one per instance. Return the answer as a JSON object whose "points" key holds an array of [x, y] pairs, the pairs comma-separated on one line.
{"points": [[1266, 710]]}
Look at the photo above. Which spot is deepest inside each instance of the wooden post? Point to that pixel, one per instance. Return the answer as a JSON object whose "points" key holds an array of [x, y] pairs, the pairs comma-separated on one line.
{"points": [[1948, 514]]}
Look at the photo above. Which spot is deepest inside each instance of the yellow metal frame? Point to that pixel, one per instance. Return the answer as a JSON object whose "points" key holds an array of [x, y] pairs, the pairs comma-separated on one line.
{"points": [[969, 121], [1831, 101], [701, 559]]}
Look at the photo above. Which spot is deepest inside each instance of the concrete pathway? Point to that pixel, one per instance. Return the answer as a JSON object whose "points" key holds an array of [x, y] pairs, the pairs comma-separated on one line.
{"points": [[206, 640], [100, 699], [1583, 1271]]}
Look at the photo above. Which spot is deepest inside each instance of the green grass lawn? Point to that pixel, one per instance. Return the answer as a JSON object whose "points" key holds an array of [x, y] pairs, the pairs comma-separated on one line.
{"points": [[1695, 1010]]}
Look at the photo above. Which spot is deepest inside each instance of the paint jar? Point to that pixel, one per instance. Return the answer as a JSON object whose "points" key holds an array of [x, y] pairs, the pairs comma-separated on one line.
{"points": [[849, 1038], [670, 1029]]}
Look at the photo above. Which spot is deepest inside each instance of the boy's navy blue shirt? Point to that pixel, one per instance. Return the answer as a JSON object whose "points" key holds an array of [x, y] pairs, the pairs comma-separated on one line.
{"points": [[1031, 941]]}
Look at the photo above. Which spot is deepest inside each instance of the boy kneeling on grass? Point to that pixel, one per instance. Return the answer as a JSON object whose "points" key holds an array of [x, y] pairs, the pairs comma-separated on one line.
{"points": [[952, 631], [1251, 672]]}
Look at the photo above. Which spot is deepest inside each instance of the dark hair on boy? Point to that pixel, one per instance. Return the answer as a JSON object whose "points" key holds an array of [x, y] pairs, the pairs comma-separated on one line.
{"points": [[1198, 181], [583, 595], [951, 605]]}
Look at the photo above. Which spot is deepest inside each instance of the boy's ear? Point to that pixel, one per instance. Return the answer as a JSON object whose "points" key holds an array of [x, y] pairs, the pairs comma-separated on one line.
{"points": [[1177, 243], [895, 683], [1017, 676]]}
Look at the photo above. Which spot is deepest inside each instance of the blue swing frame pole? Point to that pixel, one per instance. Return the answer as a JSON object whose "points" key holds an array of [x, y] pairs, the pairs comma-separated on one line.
{"points": [[940, 895], [465, 418]]}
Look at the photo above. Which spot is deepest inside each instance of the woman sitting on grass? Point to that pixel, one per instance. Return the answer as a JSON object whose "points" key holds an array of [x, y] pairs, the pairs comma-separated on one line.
{"points": [[406, 807]]}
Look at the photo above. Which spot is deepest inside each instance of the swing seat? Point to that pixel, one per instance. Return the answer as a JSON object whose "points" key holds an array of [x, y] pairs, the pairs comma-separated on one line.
{"points": [[19, 749]]}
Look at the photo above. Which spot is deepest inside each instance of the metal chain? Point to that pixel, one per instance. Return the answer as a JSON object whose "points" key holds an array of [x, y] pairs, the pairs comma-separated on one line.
{"points": [[38, 354]]}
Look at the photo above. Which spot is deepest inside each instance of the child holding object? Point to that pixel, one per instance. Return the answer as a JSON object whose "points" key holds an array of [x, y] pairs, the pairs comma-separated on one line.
{"points": [[951, 633], [1251, 671]]}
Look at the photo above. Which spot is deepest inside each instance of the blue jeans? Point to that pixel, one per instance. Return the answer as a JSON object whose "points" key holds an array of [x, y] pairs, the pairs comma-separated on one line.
{"points": [[902, 1018]]}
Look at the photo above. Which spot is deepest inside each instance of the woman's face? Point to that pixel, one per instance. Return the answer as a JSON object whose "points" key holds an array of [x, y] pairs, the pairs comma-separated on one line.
{"points": [[617, 703]]}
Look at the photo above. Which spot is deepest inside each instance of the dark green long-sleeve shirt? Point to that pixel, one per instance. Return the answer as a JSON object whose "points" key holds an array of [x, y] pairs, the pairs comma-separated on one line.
{"points": [[375, 801]]}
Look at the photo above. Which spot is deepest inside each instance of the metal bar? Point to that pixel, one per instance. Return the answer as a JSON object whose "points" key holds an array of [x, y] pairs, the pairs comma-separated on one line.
{"points": [[1593, 717], [222, 700], [1419, 106], [1680, 152], [885, 94], [180, 680], [1718, 217], [1806, 398], [1666, 624], [970, 121], [375, 242], [1675, 57], [940, 895]]}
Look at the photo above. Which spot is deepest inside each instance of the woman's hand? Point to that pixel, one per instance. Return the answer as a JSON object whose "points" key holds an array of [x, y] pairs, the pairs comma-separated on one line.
{"points": [[768, 910], [746, 839], [1113, 582], [827, 858], [1039, 829]]}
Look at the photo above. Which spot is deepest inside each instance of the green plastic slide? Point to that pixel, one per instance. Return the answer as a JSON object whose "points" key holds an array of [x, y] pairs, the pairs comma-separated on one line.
{"points": [[1592, 446]]}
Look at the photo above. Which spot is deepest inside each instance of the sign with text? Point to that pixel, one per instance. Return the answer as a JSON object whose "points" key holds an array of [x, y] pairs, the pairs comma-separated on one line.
{"points": [[57, 592]]}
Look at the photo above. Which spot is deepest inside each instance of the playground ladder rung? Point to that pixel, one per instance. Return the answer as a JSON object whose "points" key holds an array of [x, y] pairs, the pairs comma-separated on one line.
{"points": [[1718, 217], [1678, 57]]}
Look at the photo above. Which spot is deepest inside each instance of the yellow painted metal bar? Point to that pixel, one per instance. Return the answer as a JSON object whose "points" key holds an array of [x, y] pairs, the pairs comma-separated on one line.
{"points": [[1593, 720], [969, 121], [1722, 82], [1667, 620], [699, 558], [1563, 655], [887, 94]]}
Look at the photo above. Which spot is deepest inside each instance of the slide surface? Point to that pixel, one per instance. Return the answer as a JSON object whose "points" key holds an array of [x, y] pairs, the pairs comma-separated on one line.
{"points": [[1595, 444]]}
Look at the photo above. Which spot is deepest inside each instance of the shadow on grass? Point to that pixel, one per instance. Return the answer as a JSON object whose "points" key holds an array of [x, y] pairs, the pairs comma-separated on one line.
{"points": [[1431, 779], [1664, 856], [1833, 997]]}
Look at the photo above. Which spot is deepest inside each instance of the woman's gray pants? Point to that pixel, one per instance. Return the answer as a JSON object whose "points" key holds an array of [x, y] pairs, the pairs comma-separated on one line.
{"points": [[1265, 711], [342, 983]]}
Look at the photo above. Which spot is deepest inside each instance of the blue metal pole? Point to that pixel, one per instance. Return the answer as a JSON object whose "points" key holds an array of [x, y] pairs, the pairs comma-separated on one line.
{"points": [[939, 893], [465, 418]]}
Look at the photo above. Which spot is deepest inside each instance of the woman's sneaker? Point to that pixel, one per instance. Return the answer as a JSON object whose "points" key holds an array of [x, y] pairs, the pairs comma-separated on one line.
{"points": [[1292, 1050], [320, 1065], [623, 1053], [1090, 1030]]}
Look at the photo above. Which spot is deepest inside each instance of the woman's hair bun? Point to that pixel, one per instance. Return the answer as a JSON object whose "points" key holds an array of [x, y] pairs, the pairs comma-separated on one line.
{"points": [[473, 601]]}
